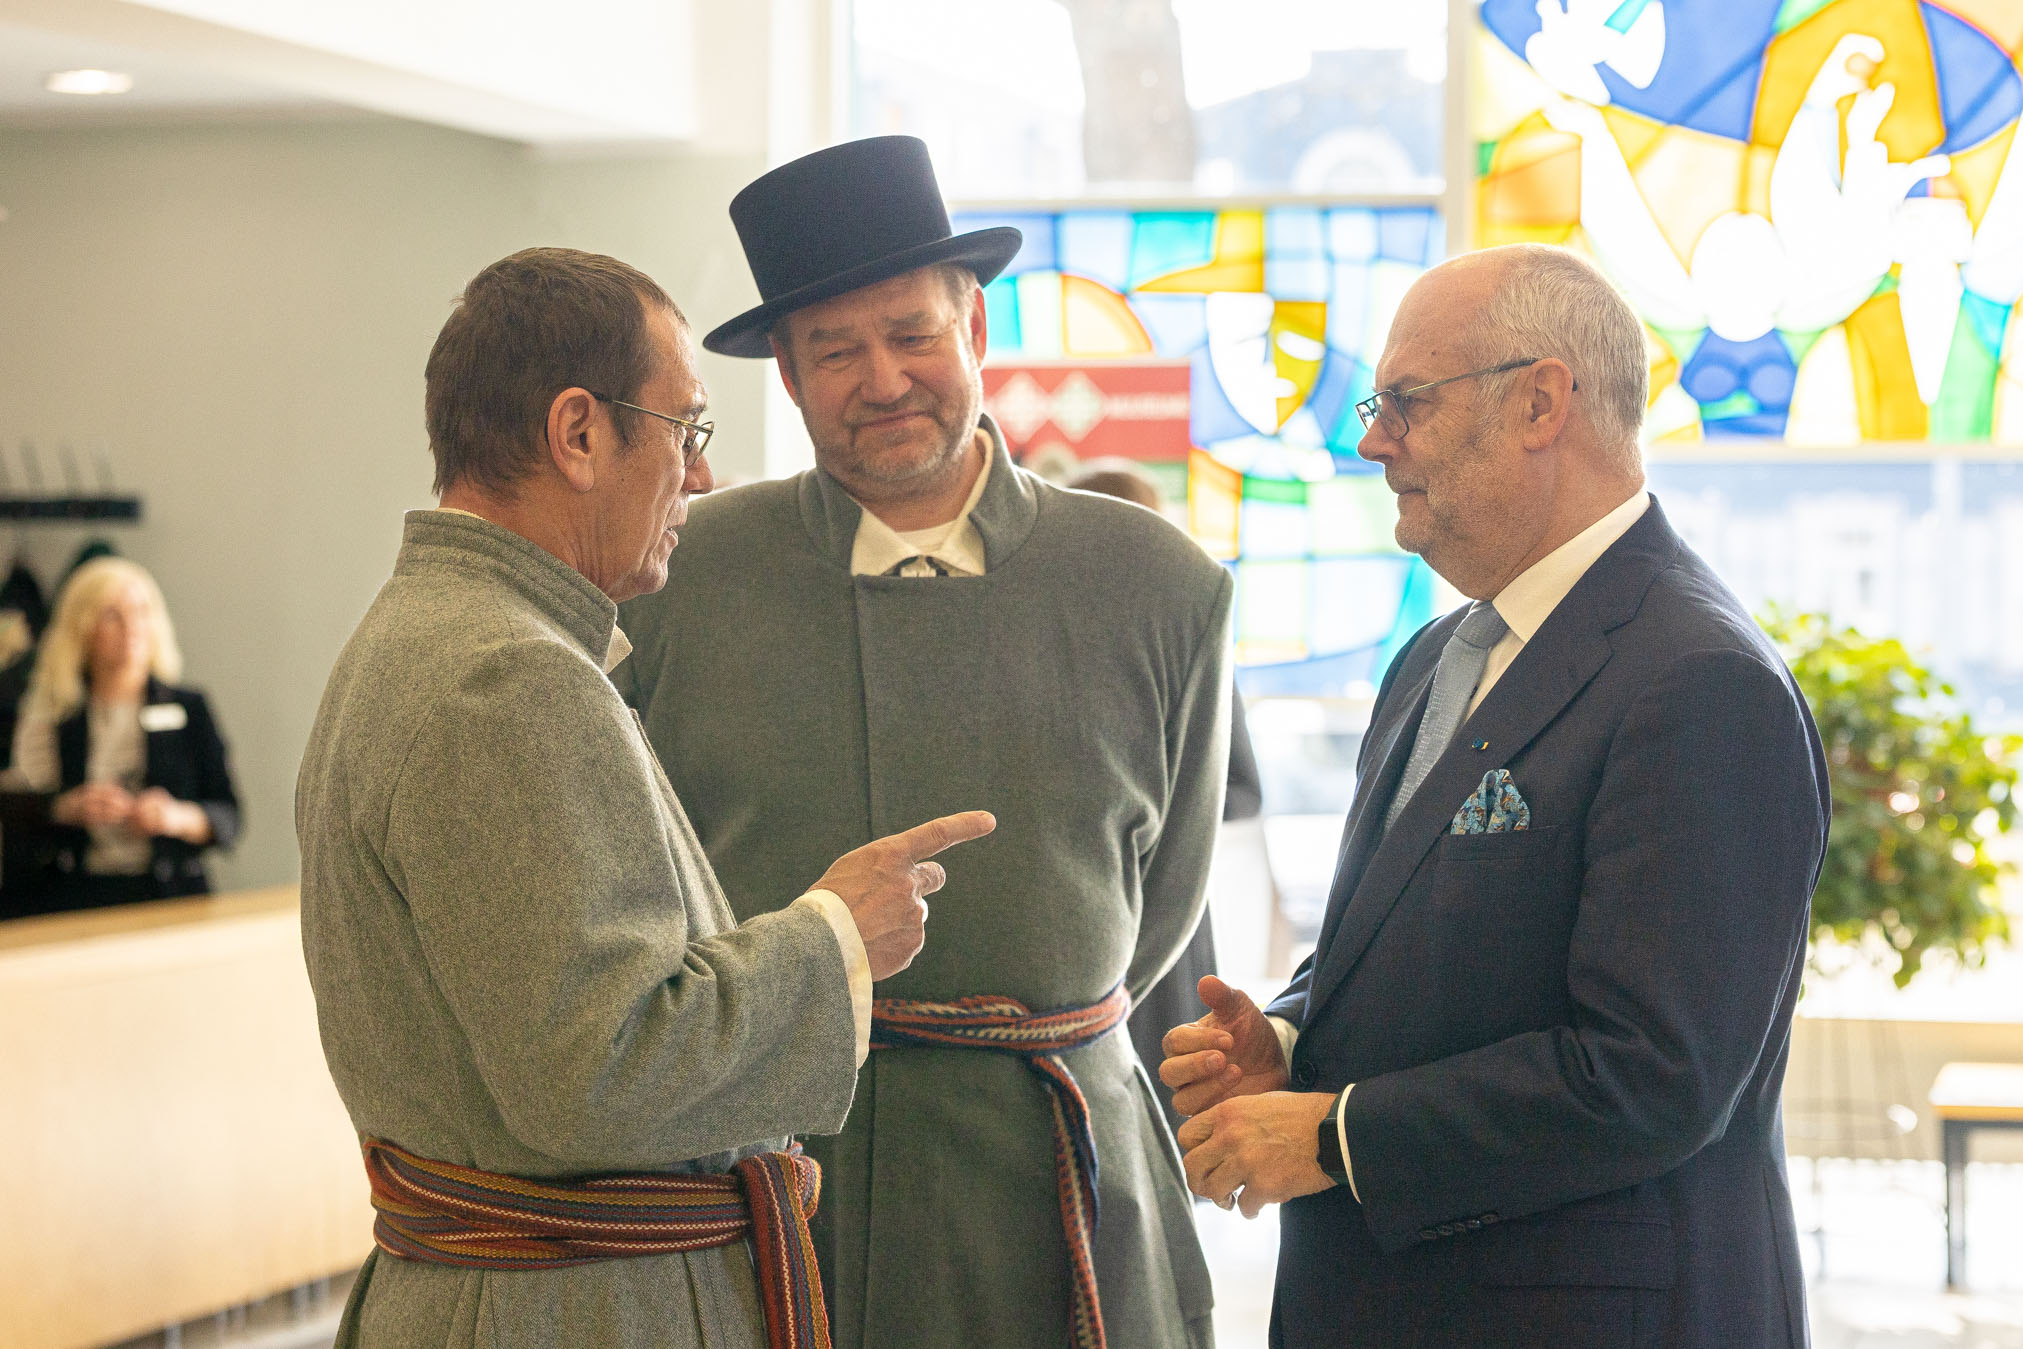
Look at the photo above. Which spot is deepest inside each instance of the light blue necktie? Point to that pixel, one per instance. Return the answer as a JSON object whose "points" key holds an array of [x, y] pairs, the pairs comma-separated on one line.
{"points": [[1460, 670]]}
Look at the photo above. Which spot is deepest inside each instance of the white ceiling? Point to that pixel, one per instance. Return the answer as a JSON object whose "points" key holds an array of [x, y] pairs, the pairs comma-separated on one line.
{"points": [[164, 84], [616, 72]]}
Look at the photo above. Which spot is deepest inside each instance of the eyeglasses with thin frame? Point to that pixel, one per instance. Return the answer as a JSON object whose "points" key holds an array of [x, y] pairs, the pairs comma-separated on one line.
{"points": [[1388, 405], [695, 435]]}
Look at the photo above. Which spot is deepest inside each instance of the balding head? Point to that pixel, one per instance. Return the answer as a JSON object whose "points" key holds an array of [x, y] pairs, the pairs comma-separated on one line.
{"points": [[1539, 301], [1496, 467]]}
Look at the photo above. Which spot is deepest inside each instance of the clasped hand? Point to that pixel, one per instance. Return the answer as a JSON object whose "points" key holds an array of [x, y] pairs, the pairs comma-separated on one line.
{"points": [[1248, 1141], [98, 805]]}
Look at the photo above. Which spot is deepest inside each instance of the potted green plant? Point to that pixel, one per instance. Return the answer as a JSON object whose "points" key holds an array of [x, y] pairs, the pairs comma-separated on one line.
{"points": [[1918, 790]]}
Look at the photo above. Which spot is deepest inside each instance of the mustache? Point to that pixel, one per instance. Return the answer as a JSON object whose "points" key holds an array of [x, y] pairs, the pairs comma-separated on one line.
{"points": [[925, 407]]}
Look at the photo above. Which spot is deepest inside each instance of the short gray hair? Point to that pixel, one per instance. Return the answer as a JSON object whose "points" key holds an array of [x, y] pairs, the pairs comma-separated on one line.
{"points": [[1552, 301]]}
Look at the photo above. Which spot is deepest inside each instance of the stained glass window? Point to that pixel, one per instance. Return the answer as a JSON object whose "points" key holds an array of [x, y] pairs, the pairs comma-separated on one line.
{"points": [[1279, 313], [1813, 203]]}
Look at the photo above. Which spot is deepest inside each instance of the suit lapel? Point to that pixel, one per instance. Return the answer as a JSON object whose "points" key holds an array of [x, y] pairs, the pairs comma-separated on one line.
{"points": [[1567, 651], [1389, 754]]}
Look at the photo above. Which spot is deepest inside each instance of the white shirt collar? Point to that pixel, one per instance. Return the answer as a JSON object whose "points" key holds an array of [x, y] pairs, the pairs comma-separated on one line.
{"points": [[1529, 600], [620, 648], [955, 543]]}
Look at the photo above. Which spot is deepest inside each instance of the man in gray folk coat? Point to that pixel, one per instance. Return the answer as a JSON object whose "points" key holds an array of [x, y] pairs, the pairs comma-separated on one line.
{"points": [[525, 971], [917, 622]]}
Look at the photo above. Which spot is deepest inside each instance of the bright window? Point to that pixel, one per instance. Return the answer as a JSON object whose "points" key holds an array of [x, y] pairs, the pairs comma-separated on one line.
{"points": [[1060, 98], [1816, 205]]}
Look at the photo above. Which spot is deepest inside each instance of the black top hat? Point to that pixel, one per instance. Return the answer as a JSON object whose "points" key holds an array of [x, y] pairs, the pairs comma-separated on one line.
{"points": [[849, 216]]}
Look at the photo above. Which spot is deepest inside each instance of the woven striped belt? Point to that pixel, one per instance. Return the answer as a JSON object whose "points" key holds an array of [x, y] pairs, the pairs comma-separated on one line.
{"points": [[454, 1215], [1008, 1026]]}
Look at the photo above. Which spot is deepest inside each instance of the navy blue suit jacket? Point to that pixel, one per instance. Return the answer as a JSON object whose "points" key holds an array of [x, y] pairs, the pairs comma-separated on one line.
{"points": [[1567, 1042]]}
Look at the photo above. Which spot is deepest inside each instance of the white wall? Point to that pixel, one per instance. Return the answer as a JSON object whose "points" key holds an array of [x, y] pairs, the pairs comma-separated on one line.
{"points": [[239, 316]]}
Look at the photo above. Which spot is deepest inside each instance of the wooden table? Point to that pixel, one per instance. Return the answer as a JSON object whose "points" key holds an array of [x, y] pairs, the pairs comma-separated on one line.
{"points": [[173, 1142], [1966, 1097]]}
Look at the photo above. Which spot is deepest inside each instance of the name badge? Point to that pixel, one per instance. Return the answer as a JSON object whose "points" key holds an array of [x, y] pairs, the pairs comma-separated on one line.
{"points": [[163, 717]]}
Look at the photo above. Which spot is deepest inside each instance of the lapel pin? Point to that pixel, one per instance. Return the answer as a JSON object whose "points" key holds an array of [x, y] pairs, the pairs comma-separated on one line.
{"points": [[1479, 746]]}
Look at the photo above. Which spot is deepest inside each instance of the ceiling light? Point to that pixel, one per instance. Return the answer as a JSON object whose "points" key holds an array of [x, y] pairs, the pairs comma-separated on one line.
{"points": [[88, 82]]}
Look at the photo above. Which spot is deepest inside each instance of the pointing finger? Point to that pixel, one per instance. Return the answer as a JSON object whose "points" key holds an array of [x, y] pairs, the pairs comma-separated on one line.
{"points": [[925, 840]]}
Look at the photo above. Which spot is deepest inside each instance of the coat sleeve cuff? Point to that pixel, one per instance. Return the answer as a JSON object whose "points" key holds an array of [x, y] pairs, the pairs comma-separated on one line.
{"points": [[1342, 1132], [856, 962]]}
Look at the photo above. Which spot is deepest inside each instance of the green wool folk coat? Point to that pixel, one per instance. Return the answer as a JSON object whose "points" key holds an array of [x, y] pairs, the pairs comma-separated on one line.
{"points": [[1079, 690], [521, 960]]}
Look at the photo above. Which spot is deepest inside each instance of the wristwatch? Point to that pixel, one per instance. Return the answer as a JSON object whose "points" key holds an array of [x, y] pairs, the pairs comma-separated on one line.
{"points": [[1333, 1164]]}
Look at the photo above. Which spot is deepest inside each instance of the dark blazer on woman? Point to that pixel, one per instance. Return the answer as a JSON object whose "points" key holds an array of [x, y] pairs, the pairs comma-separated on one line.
{"points": [[189, 763]]}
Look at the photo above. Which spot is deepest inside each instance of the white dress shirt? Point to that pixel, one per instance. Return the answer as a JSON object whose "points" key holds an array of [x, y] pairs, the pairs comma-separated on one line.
{"points": [[955, 544], [1524, 605]]}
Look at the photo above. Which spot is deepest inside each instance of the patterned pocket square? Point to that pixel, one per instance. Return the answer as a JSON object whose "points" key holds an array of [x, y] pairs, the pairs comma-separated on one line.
{"points": [[1497, 807]]}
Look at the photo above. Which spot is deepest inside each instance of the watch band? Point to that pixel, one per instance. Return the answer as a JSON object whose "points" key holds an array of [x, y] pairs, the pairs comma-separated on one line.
{"points": [[1333, 1164]]}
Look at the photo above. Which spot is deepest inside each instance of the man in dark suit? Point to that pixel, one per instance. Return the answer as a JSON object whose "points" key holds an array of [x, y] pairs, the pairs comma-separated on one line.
{"points": [[1525, 1092]]}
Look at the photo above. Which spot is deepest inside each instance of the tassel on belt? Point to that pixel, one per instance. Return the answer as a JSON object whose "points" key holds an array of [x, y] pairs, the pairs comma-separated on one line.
{"points": [[1008, 1026], [456, 1215]]}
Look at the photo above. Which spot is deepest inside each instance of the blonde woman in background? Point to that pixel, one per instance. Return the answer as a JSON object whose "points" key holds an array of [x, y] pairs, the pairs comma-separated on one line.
{"points": [[134, 764]]}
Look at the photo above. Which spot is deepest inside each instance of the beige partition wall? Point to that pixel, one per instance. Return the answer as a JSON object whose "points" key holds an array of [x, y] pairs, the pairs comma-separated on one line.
{"points": [[173, 1143]]}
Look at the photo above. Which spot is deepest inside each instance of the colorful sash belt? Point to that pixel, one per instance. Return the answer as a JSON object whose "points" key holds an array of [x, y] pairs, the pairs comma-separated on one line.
{"points": [[454, 1215], [1008, 1026]]}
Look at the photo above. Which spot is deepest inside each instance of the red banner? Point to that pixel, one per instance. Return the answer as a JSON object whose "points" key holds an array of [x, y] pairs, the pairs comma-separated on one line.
{"points": [[1096, 409]]}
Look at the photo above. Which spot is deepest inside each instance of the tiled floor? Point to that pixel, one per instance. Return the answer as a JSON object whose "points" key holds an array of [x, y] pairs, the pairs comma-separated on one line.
{"points": [[1881, 1284]]}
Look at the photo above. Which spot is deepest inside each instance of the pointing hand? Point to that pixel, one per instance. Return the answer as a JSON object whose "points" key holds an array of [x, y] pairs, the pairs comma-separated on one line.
{"points": [[885, 883]]}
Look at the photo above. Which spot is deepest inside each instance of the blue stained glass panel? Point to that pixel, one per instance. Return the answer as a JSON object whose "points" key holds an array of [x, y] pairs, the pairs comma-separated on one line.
{"points": [[1097, 244], [1979, 90], [1001, 312], [1355, 602], [1170, 241], [1273, 529], [1990, 319], [1334, 397], [1177, 324], [1036, 253], [1415, 611], [1352, 235], [1297, 278], [1349, 310], [1294, 232], [1404, 237], [1211, 416], [1712, 65]]}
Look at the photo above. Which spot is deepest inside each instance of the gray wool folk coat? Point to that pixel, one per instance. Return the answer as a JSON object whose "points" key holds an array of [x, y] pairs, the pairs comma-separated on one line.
{"points": [[521, 960], [1079, 689]]}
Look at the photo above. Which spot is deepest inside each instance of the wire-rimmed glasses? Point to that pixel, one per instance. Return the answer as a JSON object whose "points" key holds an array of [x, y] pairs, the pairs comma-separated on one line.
{"points": [[1388, 405], [695, 435]]}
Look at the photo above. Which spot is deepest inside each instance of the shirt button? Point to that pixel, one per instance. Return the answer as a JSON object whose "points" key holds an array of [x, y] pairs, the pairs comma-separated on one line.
{"points": [[1304, 1075], [1490, 1218], [1446, 1229], [1427, 1234]]}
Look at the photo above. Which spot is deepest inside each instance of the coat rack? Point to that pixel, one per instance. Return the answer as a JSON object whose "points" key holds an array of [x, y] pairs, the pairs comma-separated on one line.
{"points": [[74, 503]]}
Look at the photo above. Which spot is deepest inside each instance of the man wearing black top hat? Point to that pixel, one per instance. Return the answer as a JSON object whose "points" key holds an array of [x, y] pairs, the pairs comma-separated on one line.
{"points": [[916, 622]]}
